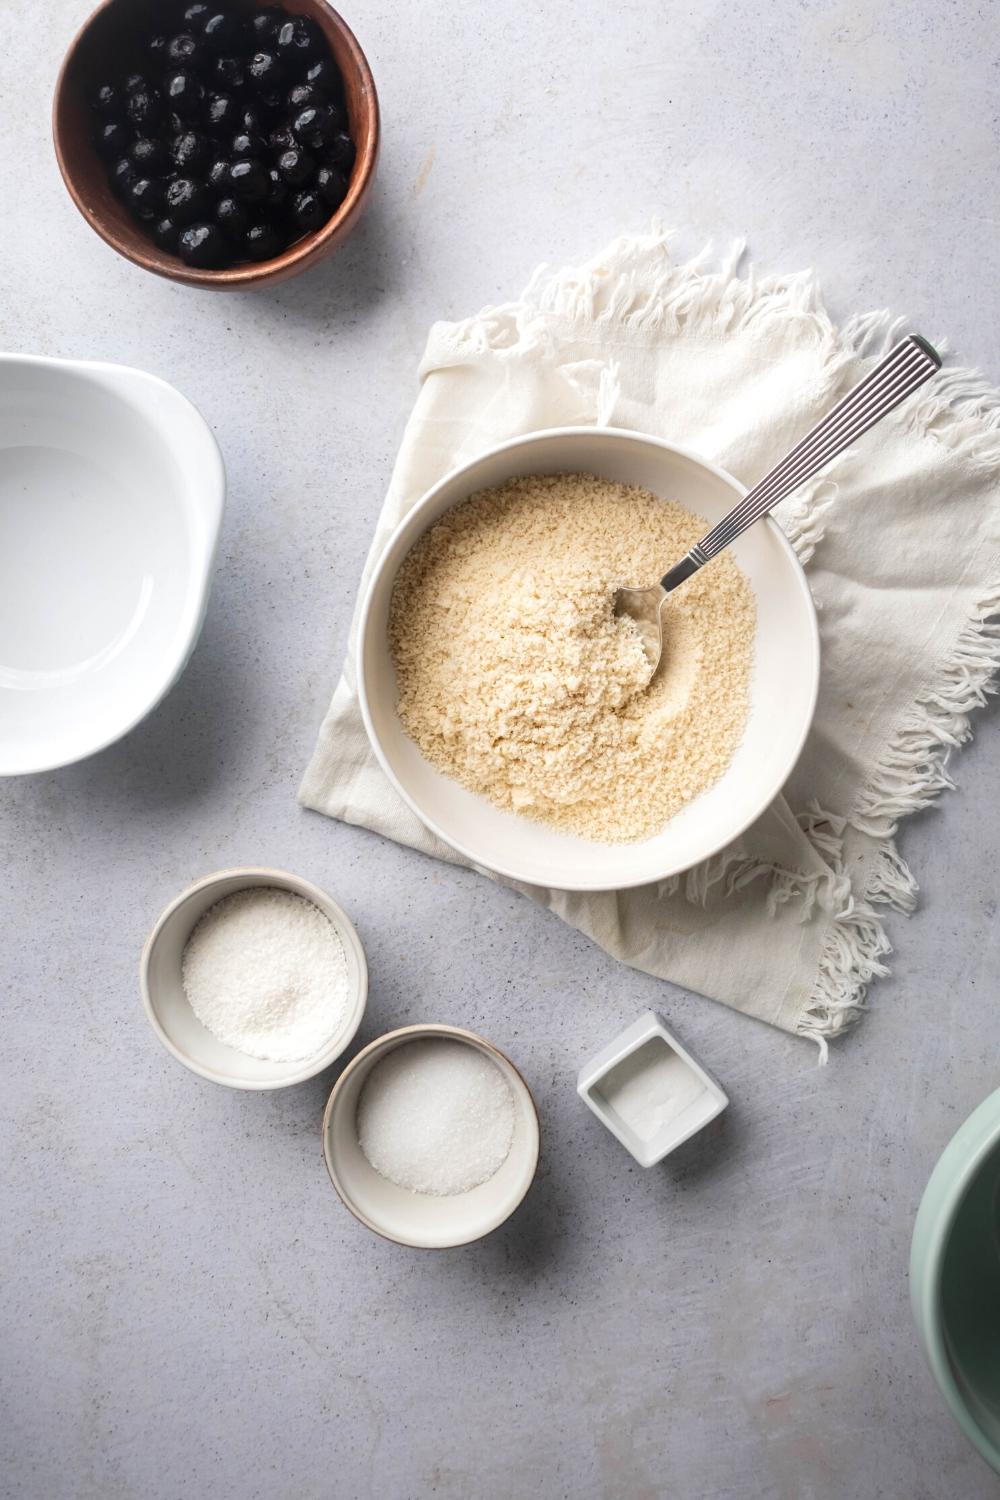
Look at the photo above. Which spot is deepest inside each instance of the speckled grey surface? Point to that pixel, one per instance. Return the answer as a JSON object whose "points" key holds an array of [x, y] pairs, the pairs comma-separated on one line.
{"points": [[187, 1309]]}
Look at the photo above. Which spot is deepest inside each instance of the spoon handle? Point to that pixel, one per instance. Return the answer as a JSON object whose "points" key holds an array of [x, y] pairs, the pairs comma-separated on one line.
{"points": [[904, 368]]}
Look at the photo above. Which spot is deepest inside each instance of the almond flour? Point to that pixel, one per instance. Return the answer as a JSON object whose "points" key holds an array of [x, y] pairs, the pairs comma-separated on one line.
{"points": [[516, 679]]}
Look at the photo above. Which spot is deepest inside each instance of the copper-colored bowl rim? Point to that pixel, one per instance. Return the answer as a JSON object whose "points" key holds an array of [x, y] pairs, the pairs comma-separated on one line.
{"points": [[307, 250], [416, 1032]]}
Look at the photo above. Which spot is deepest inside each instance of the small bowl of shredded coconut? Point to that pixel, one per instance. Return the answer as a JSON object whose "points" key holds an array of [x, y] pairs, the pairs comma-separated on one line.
{"points": [[431, 1136], [254, 978]]}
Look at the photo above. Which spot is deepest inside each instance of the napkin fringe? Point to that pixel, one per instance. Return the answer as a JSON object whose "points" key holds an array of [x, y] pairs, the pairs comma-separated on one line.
{"points": [[910, 776], [618, 286], [856, 943], [913, 771], [803, 519], [959, 392], [851, 957]]}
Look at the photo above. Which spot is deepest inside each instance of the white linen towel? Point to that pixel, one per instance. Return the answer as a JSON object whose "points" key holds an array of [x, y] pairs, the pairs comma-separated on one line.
{"points": [[786, 924]]}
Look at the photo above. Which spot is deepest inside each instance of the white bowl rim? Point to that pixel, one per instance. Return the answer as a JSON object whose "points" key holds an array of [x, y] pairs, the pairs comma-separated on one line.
{"points": [[797, 572], [262, 875], [122, 378], [417, 1032]]}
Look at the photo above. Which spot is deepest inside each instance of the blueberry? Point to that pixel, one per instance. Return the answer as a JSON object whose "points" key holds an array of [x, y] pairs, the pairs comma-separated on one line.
{"points": [[247, 143], [304, 94], [184, 94], [185, 51], [315, 126], [191, 151], [145, 108], [296, 166], [331, 184], [281, 139], [249, 180], [187, 200], [300, 40], [251, 119], [265, 25], [231, 216], [230, 73], [324, 74], [263, 241], [156, 50], [149, 156], [113, 138], [166, 234], [221, 112], [196, 15], [109, 102], [267, 77], [222, 31], [340, 152], [276, 200], [136, 81], [122, 176], [203, 245], [145, 197], [309, 211], [218, 174]]}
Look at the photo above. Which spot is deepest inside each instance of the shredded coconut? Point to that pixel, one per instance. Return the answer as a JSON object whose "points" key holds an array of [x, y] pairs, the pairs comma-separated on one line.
{"points": [[265, 972], [516, 679], [436, 1116]]}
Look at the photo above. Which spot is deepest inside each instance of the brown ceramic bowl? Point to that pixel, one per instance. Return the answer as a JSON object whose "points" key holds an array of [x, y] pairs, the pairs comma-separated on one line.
{"points": [[104, 47]]}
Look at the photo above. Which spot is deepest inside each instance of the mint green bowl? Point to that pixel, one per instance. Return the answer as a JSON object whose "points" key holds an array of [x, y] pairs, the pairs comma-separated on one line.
{"points": [[955, 1276]]}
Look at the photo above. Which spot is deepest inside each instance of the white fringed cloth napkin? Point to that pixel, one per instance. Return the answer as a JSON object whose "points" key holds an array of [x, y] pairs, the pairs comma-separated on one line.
{"points": [[902, 547]]}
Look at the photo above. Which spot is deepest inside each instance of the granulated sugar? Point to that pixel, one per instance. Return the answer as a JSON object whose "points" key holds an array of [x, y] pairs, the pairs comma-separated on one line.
{"points": [[436, 1116], [516, 679], [265, 972]]}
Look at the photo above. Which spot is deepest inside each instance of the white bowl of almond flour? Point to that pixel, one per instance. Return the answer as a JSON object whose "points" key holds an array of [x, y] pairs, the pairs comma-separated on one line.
{"points": [[254, 978], [431, 1137], [515, 714]]}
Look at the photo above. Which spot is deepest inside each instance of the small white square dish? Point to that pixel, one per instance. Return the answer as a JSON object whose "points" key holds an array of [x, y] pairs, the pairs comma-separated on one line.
{"points": [[649, 1090]]}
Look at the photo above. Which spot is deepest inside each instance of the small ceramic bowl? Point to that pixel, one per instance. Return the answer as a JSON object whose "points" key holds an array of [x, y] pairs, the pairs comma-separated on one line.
{"points": [[783, 684], [104, 46], [649, 1090], [421, 1220], [111, 496], [955, 1277], [169, 1010]]}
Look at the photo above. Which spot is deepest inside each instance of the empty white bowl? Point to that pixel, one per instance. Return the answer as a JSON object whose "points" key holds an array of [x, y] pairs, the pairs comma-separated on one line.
{"points": [[423, 1220], [111, 496], [783, 686], [169, 1009]]}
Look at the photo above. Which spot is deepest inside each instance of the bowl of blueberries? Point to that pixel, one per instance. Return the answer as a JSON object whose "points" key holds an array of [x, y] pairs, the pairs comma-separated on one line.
{"points": [[221, 143]]}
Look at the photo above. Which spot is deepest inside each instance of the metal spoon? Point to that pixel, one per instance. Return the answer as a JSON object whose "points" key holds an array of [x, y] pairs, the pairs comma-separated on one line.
{"points": [[904, 368]]}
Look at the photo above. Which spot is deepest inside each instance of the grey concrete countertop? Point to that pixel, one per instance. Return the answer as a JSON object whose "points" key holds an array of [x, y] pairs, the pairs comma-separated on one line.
{"points": [[188, 1311]]}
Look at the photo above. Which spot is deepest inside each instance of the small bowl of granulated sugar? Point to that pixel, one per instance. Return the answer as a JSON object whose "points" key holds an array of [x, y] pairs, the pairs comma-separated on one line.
{"points": [[431, 1137], [254, 978]]}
